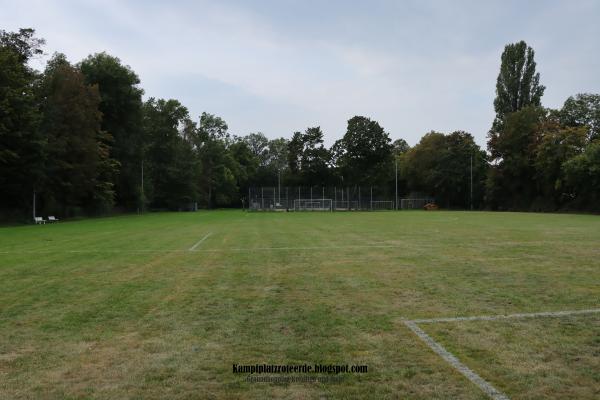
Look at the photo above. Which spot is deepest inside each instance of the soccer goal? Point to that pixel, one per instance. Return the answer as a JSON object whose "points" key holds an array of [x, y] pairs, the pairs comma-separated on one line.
{"points": [[312, 205], [382, 205], [408, 204]]}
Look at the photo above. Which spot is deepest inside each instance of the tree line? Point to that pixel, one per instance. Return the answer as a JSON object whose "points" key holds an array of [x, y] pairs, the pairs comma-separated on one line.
{"points": [[81, 139]]}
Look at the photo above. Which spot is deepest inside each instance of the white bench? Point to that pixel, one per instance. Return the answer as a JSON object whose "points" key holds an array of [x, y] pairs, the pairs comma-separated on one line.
{"points": [[52, 218], [39, 220]]}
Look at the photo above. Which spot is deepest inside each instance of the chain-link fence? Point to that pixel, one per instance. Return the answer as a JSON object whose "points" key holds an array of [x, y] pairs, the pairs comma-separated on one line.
{"points": [[324, 198]]}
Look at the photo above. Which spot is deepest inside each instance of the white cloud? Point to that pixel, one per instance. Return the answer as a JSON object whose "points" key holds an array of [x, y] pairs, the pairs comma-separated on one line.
{"points": [[412, 66]]}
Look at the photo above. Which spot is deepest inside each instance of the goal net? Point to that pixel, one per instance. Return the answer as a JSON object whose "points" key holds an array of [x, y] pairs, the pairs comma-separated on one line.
{"points": [[382, 205], [312, 205]]}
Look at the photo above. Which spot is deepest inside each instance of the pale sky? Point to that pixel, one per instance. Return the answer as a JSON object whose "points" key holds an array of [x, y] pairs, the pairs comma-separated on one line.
{"points": [[282, 66]]}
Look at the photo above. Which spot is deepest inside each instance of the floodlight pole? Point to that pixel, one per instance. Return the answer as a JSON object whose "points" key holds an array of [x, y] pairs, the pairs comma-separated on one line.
{"points": [[142, 205], [279, 186], [396, 202], [34, 204], [471, 181]]}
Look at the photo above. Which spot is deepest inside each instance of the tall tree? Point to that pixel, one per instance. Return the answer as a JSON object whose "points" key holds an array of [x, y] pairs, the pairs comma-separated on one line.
{"points": [[511, 182], [76, 158], [308, 159], [518, 84], [172, 168], [557, 145], [259, 145], [218, 183], [442, 166], [294, 154], [365, 153], [121, 107], [246, 165], [21, 143]]}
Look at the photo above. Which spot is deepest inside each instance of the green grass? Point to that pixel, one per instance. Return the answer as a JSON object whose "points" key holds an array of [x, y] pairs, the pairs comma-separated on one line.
{"points": [[118, 308]]}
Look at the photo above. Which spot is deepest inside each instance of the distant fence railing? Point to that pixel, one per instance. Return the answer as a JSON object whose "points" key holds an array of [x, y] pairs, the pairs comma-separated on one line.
{"points": [[324, 198]]}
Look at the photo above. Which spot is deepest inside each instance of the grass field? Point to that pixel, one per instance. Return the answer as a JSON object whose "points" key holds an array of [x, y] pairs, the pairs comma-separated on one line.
{"points": [[121, 308]]}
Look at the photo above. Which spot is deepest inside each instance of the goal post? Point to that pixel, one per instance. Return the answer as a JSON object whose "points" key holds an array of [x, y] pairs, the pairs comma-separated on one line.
{"points": [[312, 205]]}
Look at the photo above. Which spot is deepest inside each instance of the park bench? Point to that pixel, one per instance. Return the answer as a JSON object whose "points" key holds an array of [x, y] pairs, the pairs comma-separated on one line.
{"points": [[52, 218], [39, 220]]}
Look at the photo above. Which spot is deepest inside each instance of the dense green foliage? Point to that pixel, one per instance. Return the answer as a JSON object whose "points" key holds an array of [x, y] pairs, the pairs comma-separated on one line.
{"points": [[21, 142], [82, 140], [441, 164], [518, 85]]}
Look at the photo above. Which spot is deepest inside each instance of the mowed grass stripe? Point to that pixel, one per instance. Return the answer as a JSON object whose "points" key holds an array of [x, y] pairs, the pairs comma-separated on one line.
{"points": [[113, 321]]}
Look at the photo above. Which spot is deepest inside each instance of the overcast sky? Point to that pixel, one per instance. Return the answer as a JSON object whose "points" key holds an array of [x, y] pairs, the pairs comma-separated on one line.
{"points": [[281, 66]]}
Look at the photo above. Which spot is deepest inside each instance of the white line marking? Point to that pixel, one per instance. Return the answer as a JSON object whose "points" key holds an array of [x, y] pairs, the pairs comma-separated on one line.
{"points": [[507, 316], [200, 242], [462, 368], [453, 361], [248, 249]]}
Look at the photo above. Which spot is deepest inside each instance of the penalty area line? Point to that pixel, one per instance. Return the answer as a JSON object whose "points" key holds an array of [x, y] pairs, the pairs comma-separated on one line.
{"points": [[193, 248], [451, 359], [454, 362], [508, 316]]}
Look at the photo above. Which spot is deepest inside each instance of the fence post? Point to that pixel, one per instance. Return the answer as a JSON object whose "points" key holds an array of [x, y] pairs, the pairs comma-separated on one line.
{"points": [[348, 197]]}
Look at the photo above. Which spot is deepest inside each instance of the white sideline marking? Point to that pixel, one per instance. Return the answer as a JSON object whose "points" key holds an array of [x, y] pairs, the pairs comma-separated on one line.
{"points": [[248, 249], [453, 361], [200, 242], [508, 316]]}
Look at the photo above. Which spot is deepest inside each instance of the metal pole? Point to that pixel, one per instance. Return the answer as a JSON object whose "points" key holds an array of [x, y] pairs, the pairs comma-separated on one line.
{"points": [[142, 206], [359, 198], [396, 202], [371, 198], [34, 205], [471, 181], [279, 186], [262, 198], [334, 197]]}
